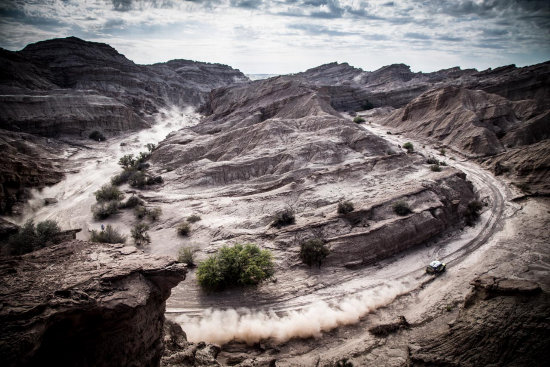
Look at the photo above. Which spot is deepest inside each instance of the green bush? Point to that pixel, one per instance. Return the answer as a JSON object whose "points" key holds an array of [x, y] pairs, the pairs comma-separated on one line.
{"points": [[154, 213], [313, 251], [184, 229], [345, 207], [193, 218], [128, 161], [442, 151], [238, 265], [358, 119], [108, 193], [139, 234], [187, 255], [435, 168], [409, 146], [284, 218], [132, 202], [97, 136], [32, 237], [401, 208], [140, 211], [432, 160], [471, 214], [138, 179], [153, 180], [108, 235], [104, 210], [122, 177]]}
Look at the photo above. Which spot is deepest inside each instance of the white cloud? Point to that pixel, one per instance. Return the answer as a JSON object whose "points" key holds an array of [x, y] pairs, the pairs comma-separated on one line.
{"points": [[288, 36]]}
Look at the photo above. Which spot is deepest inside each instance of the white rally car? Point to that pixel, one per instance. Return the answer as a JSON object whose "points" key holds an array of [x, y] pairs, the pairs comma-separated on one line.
{"points": [[435, 267]]}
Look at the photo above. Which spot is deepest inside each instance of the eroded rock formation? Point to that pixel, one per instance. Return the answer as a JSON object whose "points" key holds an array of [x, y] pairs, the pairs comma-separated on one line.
{"points": [[85, 304], [504, 323]]}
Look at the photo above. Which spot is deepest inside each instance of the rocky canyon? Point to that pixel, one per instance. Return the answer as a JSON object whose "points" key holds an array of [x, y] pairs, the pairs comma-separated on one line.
{"points": [[384, 170]]}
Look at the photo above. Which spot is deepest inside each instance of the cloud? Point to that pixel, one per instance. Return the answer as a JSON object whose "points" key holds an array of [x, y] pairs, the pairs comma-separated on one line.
{"points": [[290, 35], [417, 36], [314, 29]]}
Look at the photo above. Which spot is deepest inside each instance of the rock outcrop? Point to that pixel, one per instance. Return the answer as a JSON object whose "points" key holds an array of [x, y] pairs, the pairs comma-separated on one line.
{"points": [[27, 161], [504, 323], [470, 121], [85, 304]]}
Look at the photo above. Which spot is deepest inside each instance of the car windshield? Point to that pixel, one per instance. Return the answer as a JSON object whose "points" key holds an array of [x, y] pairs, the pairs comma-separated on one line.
{"points": [[435, 264]]}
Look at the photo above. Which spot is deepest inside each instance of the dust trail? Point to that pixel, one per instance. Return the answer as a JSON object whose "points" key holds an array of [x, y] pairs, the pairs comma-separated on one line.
{"points": [[222, 326]]}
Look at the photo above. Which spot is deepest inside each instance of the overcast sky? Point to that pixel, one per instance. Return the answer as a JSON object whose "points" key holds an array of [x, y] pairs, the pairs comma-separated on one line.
{"points": [[285, 36]]}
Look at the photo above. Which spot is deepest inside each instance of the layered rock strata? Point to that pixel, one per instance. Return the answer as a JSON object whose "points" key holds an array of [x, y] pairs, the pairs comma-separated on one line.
{"points": [[504, 322], [85, 304]]}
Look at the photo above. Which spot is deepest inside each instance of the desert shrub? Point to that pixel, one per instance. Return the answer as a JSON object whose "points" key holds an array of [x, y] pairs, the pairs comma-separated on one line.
{"points": [[122, 177], [401, 208], [345, 207], [238, 265], [139, 234], [358, 119], [96, 135], [344, 362], [143, 156], [138, 179], [150, 147], [409, 146], [32, 237], [154, 213], [140, 211], [442, 151], [132, 202], [108, 235], [388, 132], [187, 255], [313, 251], [108, 193], [104, 210], [193, 218], [184, 229], [283, 218], [154, 180], [142, 166], [471, 214], [46, 231], [432, 160], [435, 168], [127, 161], [442, 163]]}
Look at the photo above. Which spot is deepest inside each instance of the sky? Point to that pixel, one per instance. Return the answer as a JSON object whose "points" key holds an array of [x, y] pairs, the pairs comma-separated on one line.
{"points": [[288, 36]]}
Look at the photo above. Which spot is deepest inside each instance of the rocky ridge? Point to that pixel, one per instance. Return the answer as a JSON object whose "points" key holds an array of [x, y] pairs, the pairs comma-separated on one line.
{"points": [[81, 303]]}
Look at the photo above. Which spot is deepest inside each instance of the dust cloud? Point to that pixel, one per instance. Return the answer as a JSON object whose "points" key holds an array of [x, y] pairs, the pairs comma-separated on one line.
{"points": [[244, 325]]}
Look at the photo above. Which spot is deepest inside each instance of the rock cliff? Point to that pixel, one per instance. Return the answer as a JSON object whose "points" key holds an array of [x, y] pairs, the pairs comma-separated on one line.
{"points": [[27, 161], [85, 304], [504, 323]]}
